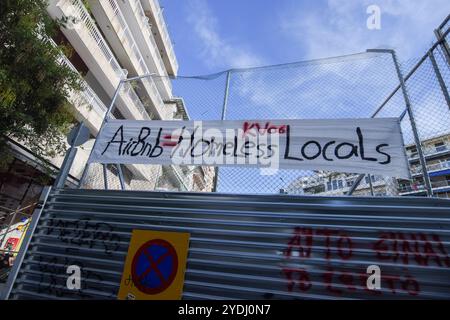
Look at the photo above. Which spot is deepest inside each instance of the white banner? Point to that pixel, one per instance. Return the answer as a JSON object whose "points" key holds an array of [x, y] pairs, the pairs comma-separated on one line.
{"points": [[341, 145]]}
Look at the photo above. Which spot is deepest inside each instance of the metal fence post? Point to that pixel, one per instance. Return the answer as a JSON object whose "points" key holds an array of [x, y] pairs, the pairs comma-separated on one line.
{"points": [[370, 185], [105, 176], [121, 179], [402, 85], [423, 163], [355, 184], [439, 78], [440, 36], [68, 161], [224, 111], [105, 119]]}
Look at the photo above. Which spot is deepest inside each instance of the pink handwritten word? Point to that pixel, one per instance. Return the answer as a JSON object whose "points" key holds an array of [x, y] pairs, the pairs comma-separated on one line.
{"points": [[250, 128]]}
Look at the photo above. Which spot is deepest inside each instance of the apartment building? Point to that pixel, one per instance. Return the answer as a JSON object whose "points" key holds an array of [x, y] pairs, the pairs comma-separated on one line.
{"points": [[108, 41], [332, 184], [437, 156]]}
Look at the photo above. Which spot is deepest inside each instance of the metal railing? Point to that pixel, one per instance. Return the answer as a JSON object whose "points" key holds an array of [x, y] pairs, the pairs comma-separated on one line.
{"points": [[128, 90], [427, 151], [153, 47], [413, 187], [439, 166], [164, 32], [87, 94], [143, 20], [84, 17], [432, 167], [136, 54], [183, 178], [419, 187]]}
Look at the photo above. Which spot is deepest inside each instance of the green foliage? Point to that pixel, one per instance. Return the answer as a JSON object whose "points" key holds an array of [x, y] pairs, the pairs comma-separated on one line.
{"points": [[34, 86]]}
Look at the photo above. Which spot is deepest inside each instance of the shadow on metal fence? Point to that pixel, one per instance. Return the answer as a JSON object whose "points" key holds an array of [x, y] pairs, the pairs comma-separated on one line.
{"points": [[363, 85]]}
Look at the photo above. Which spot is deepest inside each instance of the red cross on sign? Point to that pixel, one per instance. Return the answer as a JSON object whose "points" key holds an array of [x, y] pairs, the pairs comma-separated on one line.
{"points": [[155, 263]]}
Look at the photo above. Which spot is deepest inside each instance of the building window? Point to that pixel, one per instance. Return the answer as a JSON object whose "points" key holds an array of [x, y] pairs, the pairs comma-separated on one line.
{"points": [[440, 146], [334, 185], [373, 178], [413, 152]]}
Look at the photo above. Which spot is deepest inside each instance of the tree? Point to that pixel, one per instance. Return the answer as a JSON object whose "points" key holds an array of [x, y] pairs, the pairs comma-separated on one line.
{"points": [[34, 86]]}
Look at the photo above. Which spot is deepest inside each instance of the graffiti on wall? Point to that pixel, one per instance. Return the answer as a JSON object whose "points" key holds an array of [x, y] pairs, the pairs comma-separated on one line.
{"points": [[334, 261]]}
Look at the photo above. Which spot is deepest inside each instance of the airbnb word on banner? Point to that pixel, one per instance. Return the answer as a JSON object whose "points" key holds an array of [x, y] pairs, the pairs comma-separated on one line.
{"points": [[372, 146]]}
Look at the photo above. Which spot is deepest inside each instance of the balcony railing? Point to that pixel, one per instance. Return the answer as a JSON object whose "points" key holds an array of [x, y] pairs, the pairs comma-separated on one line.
{"points": [[183, 178], [439, 166], [428, 151], [136, 54], [145, 28], [143, 19], [82, 17], [87, 95], [412, 188], [156, 8], [421, 187], [432, 167], [440, 183], [127, 89]]}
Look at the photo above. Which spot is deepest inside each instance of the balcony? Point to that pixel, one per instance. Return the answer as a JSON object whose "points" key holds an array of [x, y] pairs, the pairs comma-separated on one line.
{"points": [[411, 189], [435, 167], [89, 43], [140, 28], [438, 166], [419, 187], [91, 110], [112, 22], [440, 184], [88, 106], [185, 178], [428, 152], [153, 10]]}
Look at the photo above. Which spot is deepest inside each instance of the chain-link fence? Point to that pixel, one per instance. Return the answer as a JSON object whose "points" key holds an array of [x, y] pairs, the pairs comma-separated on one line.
{"points": [[361, 85]]}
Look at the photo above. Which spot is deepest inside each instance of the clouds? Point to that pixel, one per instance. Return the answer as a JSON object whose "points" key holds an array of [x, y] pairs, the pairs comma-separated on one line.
{"points": [[217, 51], [337, 27], [302, 30]]}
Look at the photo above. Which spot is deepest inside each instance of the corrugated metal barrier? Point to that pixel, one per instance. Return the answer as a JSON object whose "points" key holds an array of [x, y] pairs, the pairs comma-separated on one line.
{"points": [[245, 246]]}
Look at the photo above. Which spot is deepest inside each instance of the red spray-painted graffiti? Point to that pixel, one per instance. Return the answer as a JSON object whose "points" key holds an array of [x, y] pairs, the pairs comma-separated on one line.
{"points": [[333, 246], [255, 127]]}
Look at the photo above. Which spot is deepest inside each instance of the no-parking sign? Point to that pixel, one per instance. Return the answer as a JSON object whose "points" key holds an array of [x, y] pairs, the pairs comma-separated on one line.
{"points": [[155, 265]]}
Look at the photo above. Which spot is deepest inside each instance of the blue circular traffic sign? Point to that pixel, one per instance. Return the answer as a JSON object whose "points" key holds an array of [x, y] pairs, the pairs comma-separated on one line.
{"points": [[154, 266]]}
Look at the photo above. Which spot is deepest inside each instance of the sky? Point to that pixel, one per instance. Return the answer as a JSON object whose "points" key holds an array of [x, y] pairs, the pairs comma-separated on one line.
{"points": [[210, 36], [214, 35]]}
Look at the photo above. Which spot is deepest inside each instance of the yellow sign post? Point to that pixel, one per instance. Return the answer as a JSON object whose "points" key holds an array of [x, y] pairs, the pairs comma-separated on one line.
{"points": [[155, 265]]}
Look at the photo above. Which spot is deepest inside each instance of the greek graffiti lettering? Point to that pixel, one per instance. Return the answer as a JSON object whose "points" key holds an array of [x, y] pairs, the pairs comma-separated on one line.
{"points": [[336, 247]]}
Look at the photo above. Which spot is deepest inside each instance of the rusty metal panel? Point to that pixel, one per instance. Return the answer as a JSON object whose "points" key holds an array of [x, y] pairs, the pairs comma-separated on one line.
{"points": [[245, 246]]}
